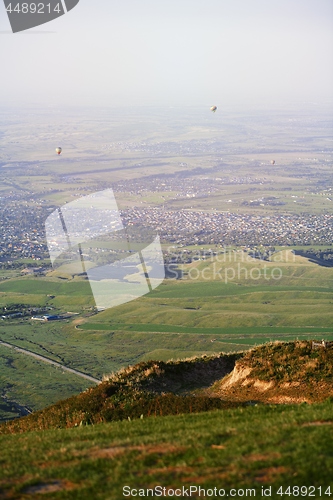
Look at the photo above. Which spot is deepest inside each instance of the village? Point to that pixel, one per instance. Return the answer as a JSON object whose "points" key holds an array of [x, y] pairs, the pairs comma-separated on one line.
{"points": [[23, 232]]}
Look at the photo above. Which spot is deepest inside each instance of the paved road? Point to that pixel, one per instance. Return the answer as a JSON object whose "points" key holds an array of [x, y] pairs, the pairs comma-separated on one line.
{"points": [[50, 361]]}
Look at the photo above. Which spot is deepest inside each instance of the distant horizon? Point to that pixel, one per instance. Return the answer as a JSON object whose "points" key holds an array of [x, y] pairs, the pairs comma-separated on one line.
{"points": [[229, 106], [171, 53]]}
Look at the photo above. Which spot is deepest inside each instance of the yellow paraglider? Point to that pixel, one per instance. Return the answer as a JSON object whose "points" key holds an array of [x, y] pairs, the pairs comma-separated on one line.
{"points": [[213, 108], [58, 150]]}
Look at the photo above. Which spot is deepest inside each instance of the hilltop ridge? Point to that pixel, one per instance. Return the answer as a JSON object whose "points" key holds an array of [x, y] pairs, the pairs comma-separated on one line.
{"points": [[291, 372]]}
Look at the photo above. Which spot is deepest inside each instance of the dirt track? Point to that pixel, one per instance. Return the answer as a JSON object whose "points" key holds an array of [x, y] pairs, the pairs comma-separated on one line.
{"points": [[50, 361]]}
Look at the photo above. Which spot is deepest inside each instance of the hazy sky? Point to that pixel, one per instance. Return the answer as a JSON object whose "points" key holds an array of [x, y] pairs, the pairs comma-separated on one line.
{"points": [[172, 52]]}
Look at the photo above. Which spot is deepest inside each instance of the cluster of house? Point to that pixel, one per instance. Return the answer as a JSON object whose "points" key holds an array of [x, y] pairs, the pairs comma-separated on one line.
{"points": [[199, 227], [45, 317]]}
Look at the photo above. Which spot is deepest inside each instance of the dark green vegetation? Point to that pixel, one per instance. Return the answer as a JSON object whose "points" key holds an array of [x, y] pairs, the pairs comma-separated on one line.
{"points": [[322, 257], [245, 447]]}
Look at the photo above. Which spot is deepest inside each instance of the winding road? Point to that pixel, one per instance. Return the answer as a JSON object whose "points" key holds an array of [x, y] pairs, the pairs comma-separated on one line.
{"points": [[50, 361]]}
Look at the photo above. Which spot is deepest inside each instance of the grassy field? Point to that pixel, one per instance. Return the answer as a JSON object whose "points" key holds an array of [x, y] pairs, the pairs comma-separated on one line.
{"points": [[254, 447], [147, 428], [33, 384]]}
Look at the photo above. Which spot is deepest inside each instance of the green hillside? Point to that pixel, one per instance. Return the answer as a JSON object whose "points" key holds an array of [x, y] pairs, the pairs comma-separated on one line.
{"points": [[181, 318], [278, 372], [163, 442]]}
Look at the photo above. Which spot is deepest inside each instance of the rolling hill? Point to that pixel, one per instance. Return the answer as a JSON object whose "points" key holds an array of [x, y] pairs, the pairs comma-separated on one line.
{"points": [[292, 372]]}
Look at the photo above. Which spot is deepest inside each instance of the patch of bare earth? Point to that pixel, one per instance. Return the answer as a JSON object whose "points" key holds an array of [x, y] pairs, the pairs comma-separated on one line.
{"points": [[177, 470], [318, 422], [213, 474], [114, 451], [270, 474], [262, 457], [51, 487], [78, 322]]}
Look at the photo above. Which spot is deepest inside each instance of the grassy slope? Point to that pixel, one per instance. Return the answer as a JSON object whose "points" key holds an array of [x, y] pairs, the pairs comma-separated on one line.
{"points": [[245, 447], [242, 448], [278, 372]]}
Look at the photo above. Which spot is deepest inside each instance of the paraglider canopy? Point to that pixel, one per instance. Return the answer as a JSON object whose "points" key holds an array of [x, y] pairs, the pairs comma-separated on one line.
{"points": [[58, 150], [213, 108]]}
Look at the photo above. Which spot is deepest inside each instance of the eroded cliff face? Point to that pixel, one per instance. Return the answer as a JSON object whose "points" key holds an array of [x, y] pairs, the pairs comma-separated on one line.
{"points": [[280, 373]]}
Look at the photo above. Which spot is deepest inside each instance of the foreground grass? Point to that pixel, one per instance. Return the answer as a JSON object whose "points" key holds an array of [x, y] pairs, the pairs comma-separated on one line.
{"points": [[238, 448]]}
